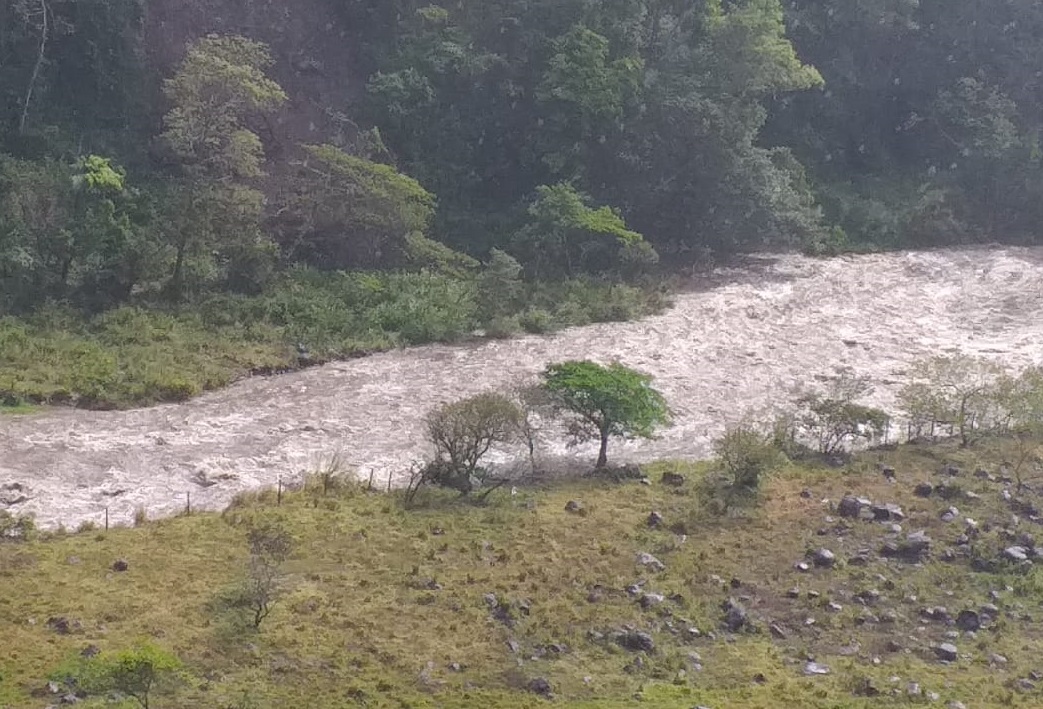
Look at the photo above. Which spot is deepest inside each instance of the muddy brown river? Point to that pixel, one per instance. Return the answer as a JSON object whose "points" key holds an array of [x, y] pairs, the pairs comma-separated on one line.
{"points": [[738, 340]]}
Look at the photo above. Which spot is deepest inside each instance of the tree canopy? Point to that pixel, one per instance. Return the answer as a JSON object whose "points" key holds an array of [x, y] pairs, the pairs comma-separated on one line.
{"points": [[601, 402], [580, 137]]}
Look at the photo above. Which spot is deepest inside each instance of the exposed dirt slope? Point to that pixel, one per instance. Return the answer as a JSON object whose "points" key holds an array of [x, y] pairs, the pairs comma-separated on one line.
{"points": [[743, 340]]}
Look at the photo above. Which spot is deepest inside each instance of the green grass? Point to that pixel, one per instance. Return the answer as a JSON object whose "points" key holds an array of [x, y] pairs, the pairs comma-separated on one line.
{"points": [[363, 626], [136, 356], [18, 409]]}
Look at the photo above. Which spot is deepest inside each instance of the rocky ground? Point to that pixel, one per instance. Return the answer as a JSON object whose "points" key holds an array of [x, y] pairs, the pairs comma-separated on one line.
{"points": [[912, 576]]}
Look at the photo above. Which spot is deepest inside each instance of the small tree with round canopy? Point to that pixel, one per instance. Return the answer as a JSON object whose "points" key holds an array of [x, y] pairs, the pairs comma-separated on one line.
{"points": [[601, 402]]}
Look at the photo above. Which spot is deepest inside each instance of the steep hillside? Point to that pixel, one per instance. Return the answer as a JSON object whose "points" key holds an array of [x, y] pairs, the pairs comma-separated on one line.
{"points": [[596, 594], [316, 60]]}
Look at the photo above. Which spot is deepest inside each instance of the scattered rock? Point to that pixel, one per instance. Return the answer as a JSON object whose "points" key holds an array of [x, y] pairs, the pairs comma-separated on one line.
{"points": [[939, 614], [990, 610], [923, 490], [917, 544], [997, 659], [735, 616], [651, 599], [951, 470], [793, 593], [850, 507], [1015, 554], [1025, 685], [888, 512], [861, 558], [813, 668], [655, 520], [947, 652], [120, 565], [802, 566], [540, 686], [889, 473], [574, 507], [868, 597], [90, 651], [950, 514], [636, 641], [646, 559], [823, 558], [672, 479], [912, 548], [778, 631], [968, 620], [61, 625]]}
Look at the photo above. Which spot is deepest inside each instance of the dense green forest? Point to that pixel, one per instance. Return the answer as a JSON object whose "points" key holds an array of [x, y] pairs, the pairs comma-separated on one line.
{"points": [[506, 164]]}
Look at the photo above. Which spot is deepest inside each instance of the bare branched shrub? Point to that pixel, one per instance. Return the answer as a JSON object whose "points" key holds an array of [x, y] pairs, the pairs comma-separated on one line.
{"points": [[332, 472], [462, 432], [270, 547], [834, 421], [958, 393]]}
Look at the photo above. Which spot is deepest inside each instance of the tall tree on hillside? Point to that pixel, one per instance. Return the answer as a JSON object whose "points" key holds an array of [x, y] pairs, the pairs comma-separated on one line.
{"points": [[652, 106], [218, 86]]}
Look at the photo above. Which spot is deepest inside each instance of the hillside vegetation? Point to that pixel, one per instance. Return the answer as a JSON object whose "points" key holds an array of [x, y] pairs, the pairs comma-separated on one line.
{"points": [[530, 158], [550, 590]]}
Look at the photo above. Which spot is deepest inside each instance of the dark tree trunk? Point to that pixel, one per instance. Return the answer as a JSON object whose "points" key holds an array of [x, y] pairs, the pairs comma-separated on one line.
{"points": [[603, 452]]}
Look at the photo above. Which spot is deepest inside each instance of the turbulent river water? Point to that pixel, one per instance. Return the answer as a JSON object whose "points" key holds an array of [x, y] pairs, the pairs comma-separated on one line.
{"points": [[742, 338]]}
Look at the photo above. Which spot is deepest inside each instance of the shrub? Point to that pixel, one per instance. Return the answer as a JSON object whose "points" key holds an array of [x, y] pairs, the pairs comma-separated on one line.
{"points": [[746, 455], [270, 547], [462, 432], [835, 421], [502, 328], [959, 391], [536, 321], [134, 673], [500, 288], [12, 528]]}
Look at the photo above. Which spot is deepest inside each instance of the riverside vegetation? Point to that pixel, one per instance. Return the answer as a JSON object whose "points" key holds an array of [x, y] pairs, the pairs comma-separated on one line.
{"points": [[776, 575], [188, 192]]}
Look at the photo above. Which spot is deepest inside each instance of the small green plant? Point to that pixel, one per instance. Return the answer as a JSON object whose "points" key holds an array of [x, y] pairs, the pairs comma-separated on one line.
{"points": [[19, 528], [136, 673], [536, 321], [603, 402], [746, 456]]}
